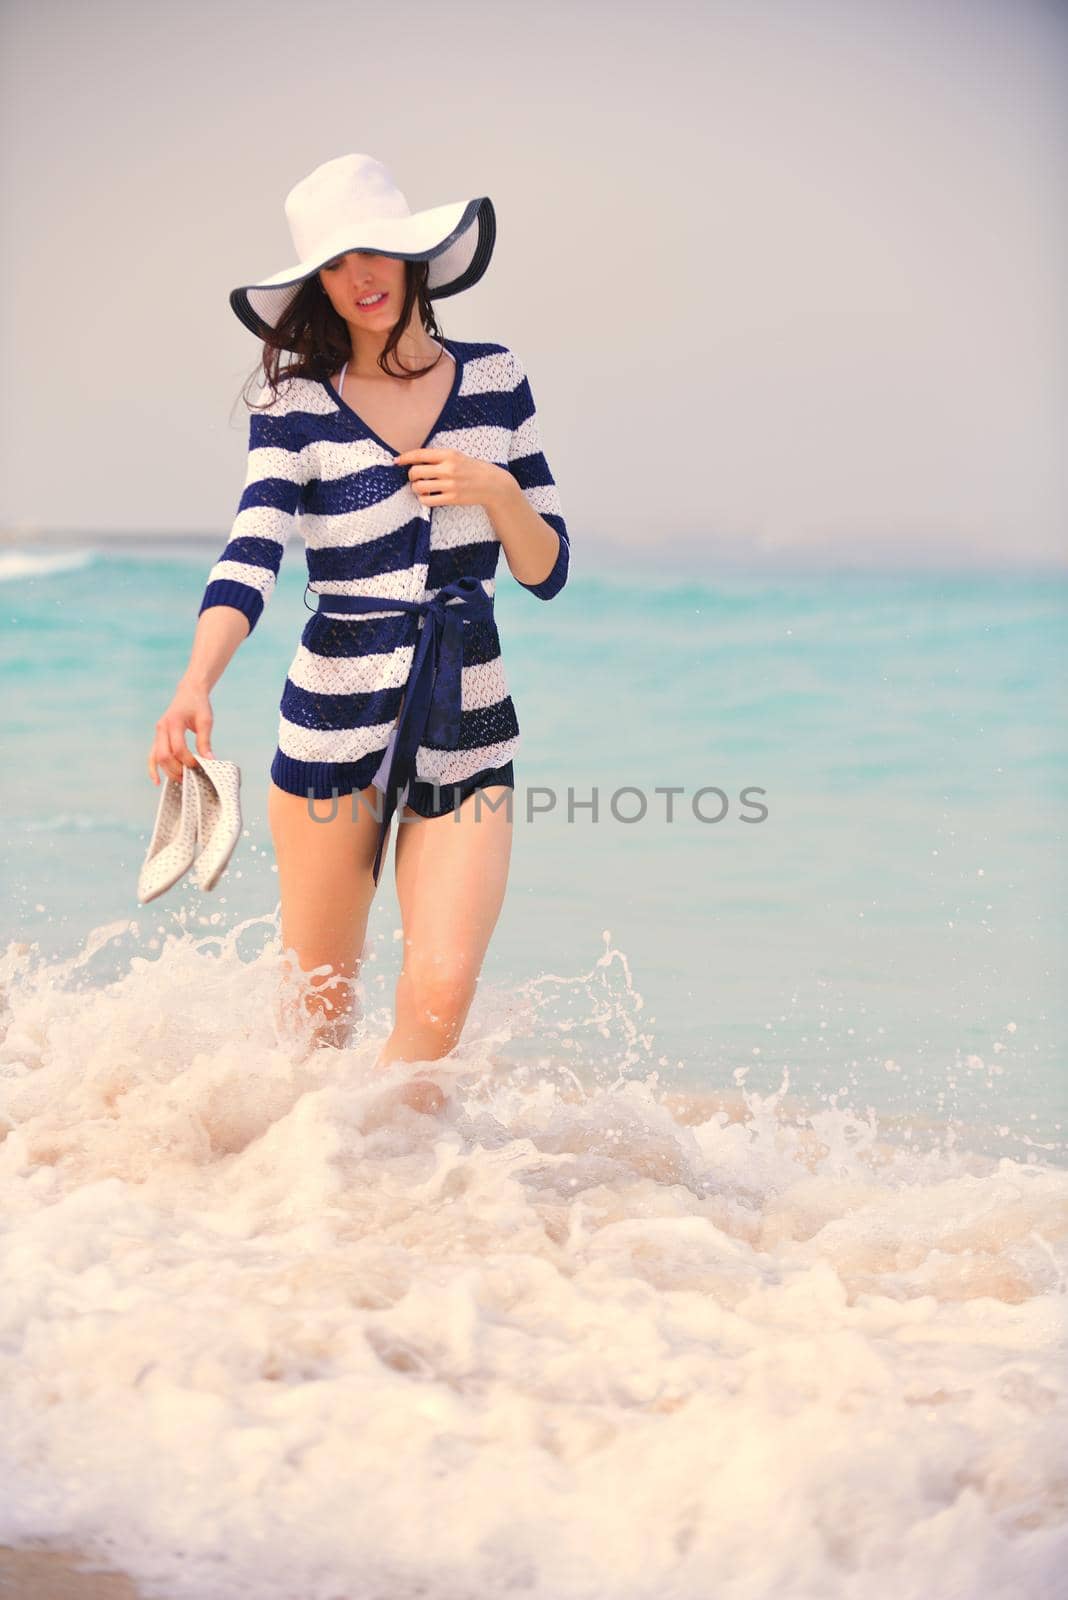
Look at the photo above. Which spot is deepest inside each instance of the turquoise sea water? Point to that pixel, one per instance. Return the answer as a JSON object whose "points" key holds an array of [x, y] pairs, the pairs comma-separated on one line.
{"points": [[736, 1255], [889, 935]]}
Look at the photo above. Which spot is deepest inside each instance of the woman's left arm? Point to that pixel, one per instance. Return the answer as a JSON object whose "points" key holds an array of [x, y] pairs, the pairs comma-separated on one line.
{"points": [[521, 500], [527, 538], [530, 544]]}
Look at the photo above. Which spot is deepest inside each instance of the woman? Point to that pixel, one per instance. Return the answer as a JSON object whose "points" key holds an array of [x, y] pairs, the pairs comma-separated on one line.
{"points": [[411, 460]]}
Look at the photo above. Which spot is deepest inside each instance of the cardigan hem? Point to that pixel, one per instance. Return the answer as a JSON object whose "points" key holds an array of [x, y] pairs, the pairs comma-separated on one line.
{"points": [[321, 780]]}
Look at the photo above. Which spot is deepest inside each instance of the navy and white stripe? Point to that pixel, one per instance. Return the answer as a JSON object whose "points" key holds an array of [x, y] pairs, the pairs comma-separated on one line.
{"points": [[313, 461]]}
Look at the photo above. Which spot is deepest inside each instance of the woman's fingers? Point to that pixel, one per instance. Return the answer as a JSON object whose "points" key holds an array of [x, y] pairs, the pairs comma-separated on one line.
{"points": [[202, 722], [176, 726], [455, 479], [160, 754], [167, 764], [171, 761], [169, 751]]}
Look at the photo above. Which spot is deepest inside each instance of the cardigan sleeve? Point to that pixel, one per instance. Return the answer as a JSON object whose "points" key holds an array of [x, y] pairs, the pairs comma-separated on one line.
{"points": [[245, 573], [528, 466]]}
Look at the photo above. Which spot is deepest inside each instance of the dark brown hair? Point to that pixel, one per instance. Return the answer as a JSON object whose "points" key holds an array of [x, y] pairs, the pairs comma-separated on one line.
{"points": [[317, 340]]}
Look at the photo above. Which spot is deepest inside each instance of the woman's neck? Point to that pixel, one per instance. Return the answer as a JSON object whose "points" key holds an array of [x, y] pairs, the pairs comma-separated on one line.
{"points": [[410, 353]]}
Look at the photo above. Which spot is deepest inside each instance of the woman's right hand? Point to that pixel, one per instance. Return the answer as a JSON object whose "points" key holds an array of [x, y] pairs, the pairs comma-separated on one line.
{"points": [[190, 708]]}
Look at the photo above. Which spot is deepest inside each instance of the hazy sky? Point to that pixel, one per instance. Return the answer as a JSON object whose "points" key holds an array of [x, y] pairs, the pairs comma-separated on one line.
{"points": [[782, 275]]}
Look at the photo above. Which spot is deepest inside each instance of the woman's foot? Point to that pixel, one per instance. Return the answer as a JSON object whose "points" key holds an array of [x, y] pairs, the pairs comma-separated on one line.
{"points": [[419, 1093], [424, 1096]]}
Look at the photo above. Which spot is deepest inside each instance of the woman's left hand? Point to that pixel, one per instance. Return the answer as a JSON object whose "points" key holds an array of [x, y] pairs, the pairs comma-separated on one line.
{"points": [[450, 478]]}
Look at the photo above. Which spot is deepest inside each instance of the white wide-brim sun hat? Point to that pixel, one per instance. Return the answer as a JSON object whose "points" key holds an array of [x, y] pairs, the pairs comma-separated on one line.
{"points": [[352, 203]]}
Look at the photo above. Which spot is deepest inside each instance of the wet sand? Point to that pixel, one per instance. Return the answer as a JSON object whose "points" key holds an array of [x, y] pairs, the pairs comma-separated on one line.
{"points": [[51, 1574]]}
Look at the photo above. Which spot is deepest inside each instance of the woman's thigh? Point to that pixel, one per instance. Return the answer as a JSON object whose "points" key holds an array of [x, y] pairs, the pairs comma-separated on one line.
{"points": [[451, 875], [325, 851]]}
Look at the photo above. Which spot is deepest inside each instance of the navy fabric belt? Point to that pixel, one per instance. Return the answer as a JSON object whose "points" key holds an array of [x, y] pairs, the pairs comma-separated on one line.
{"points": [[431, 712]]}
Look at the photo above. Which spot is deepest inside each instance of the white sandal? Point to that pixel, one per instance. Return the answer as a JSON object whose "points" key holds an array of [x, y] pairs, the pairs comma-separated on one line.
{"points": [[217, 785], [174, 838]]}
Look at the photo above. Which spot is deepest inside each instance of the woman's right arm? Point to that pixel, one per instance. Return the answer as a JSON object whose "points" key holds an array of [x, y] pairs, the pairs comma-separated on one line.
{"points": [[239, 585], [219, 631]]}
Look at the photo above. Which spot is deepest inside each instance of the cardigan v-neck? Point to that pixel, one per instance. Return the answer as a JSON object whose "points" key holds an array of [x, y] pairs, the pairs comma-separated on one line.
{"points": [[314, 462], [350, 411]]}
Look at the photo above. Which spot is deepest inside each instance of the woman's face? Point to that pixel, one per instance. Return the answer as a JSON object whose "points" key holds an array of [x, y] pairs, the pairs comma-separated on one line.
{"points": [[355, 276]]}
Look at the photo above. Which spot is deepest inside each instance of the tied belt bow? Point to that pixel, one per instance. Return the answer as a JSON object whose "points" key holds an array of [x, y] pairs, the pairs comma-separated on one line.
{"points": [[431, 711]]}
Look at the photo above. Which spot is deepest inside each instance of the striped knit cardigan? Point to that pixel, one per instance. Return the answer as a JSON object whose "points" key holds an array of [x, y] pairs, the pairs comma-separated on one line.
{"points": [[312, 457]]}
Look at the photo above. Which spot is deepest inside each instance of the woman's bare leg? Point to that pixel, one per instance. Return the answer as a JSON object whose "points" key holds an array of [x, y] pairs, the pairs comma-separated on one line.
{"points": [[326, 887], [451, 874]]}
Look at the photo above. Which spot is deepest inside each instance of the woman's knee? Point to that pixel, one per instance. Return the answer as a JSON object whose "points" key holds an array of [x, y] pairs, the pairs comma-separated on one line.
{"points": [[438, 991]]}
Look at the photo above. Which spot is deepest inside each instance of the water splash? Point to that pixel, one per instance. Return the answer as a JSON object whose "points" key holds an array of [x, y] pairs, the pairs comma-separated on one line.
{"points": [[267, 1331]]}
